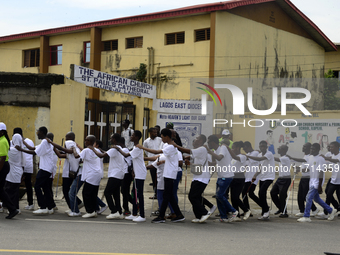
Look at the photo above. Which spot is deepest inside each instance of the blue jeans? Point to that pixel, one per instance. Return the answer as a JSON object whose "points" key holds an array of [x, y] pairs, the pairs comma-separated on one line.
{"points": [[223, 204], [76, 185], [314, 195]]}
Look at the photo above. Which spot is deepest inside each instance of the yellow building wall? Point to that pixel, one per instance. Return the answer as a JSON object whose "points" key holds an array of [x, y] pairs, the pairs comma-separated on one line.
{"points": [[12, 55], [332, 60], [67, 110]]}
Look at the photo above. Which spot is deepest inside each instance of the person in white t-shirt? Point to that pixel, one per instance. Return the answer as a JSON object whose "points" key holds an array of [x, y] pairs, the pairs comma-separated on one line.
{"points": [[28, 169], [139, 173], [199, 181], [115, 176], [127, 133], [91, 176], [170, 174], [16, 161], [334, 184], [266, 176], [252, 167], [316, 165], [41, 187], [153, 142], [281, 186]]}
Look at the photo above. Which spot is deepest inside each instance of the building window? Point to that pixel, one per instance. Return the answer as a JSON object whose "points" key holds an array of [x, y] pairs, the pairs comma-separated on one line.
{"points": [[136, 42], [110, 45], [31, 58], [202, 35], [56, 53], [87, 52], [174, 38]]}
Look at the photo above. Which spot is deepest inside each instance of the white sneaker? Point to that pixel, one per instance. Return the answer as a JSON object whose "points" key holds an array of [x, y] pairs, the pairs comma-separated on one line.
{"points": [[19, 211], [41, 211], [90, 215], [304, 219], [68, 211], [246, 215], [116, 215], [237, 219], [29, 207], [332, 214], [195, 220], [233, 216], [139, 219], [314, 213], [266, 215], [51, 211], [300, 214], [101, 210], [321, 216], [204, 218], [212, 209], [131, 217], [74, 214]]}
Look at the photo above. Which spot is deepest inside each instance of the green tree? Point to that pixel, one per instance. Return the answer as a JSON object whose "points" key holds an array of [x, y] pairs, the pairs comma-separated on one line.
{"points": [[141, 73], [331, 87]]}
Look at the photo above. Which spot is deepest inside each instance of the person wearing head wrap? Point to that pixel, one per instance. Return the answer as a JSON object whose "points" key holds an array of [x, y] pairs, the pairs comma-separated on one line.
{"points": [[16, 161]]}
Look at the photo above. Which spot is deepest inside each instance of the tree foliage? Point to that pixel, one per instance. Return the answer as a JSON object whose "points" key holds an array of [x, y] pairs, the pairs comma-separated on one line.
{"points": [[141, 73]]}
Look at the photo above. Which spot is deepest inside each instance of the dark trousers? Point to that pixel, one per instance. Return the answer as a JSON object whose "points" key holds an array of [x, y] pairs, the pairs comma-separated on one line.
{"points": [[113, 190], [67, 182], [250, 193], [264, 185], [3, 173], [331, 188], [11, 196], [168, 197], [279, 193], [125, 190], [236, 188], [29, 189], [207, 203], [302, 193], [196, 199], [153, 173], [43, 189], [90, 193], [140, 187]]}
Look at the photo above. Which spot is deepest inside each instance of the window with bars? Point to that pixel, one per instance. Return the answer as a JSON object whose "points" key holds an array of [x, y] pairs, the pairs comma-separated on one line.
{"points": [[136, 42], [56, 55], [110, 45], [202, 35], [31, 58], [174, 38], [87, 52]]}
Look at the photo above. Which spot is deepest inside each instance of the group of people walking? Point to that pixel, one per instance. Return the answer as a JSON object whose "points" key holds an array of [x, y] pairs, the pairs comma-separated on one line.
{"points": [[238, 174]]}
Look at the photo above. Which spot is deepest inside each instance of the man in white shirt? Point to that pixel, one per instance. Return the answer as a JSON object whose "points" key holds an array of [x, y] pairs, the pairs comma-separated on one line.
{"points": [[41, 187], [281, 186], [127, 133], [266, 176], [115, 176], [153, 142], [169, 174], [316, 166]]}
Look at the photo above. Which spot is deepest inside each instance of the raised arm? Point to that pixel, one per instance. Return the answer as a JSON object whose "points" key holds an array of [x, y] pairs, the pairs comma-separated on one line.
{"points": [[60, 155], [100, 155], [149, 150], [70, 151], [153, 158], [301, 160], [27, 145], [32, 152], [184, 150], [256, 158], [330, 159], [121, 152]]}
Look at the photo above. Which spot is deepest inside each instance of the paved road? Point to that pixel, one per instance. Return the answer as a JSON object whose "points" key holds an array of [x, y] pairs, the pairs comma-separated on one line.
{"points": [[59, 234]]}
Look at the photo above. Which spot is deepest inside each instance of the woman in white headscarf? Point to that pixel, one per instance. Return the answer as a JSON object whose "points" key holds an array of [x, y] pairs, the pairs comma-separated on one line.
{"points": [[16, 161]]}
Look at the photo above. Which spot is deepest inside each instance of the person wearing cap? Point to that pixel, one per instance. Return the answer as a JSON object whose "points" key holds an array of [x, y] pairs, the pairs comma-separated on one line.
{"points": [[4, 165], [226, 138]]}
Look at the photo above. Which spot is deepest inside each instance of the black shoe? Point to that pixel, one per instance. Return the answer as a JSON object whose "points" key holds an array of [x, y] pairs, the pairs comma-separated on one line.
{"points": [[283, 215], [158, 220], [155, 213], [12, 214], [178, 218], [277, 212], [214, 196]]}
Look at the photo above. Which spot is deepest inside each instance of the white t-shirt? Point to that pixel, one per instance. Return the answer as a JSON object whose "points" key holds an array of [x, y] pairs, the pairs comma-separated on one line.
{"points": [[171, 162], [335, 179], [92, 172], [127, 133], [304, 166], [70, 163], [238, 166], [252, 167], [160, 170], [116, 164], [29, 157], [45, 152], [180, 158], [284, 168], [223, 166], [16, 169], [200, 156], [127, 160], [154, 144], [139, 168], [267, 167], [316, 164]]}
